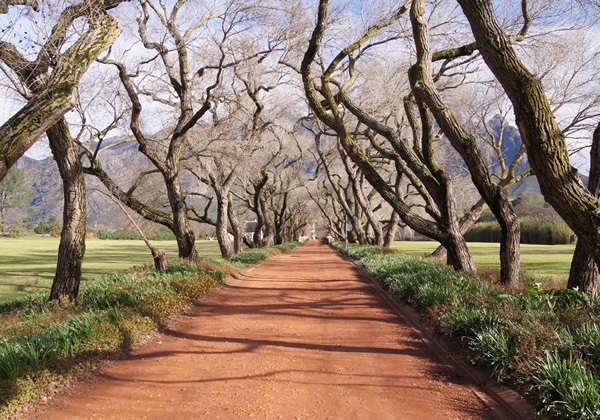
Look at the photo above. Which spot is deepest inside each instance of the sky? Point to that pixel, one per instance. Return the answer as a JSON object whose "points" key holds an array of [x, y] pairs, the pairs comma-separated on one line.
{"points": [[17, 20]]}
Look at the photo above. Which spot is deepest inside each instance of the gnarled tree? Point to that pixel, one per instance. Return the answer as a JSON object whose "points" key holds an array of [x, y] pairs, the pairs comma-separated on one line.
{"points": [[49, 83], [560, 183]]}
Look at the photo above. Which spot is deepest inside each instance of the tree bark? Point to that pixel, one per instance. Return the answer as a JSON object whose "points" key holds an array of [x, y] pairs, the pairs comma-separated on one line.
{"points": [[222, 232], [559, 182], [181, 228], [465, 144], [465, 224], [584, 270], [390, 232], [71, 249], [50, 103], [238, 234]]}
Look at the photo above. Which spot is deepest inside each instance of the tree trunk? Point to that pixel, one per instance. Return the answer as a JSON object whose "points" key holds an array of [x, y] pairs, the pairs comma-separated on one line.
{"points": [[238, 234], [458, 256], [222, 231], [465, 224], [3, 220], [584, 270], [547, 152], [160, 259], [268, 228], [181, 228], [510, 244], [71, 249], [390, 232], [49, 104]]}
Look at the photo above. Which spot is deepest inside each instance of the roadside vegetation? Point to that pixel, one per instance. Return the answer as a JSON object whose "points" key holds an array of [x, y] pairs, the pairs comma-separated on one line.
{"points": [[544, 342], [547, 264], [43, 345], [28, 264]]}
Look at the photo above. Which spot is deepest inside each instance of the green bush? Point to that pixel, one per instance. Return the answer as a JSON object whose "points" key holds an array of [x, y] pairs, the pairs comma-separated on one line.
{"points": [[25, 353], [586, 340], [159, 235], [466, 319], [506, 332], [358, 251], [252, 256], [484, 232], [567, 388], [496, 349], [544, 230]]}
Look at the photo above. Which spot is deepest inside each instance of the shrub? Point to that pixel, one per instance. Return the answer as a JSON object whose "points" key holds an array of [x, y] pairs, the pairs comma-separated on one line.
{"points": [[534, 230], [466, 319], [24, 353], [484, 232], [253, 256], [586, 340], [496, 349], [567, 388], [159, 235]]}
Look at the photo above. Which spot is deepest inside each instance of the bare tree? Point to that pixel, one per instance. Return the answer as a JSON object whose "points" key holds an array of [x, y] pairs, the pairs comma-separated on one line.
{"points": [[49, 83], [445, 229], [545, 142], [53, 75], [185, 64], [465, 143]]}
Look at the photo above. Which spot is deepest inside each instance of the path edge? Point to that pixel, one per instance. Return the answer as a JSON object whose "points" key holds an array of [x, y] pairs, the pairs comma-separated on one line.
{"points": [[504, 402]]}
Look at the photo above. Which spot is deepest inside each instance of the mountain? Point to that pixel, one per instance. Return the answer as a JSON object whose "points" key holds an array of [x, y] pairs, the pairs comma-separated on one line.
{"points": [[122, 161]]}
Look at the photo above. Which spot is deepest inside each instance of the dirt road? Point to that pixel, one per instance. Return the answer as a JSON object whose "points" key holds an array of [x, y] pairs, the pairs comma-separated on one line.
{"points": [[299, 337]]}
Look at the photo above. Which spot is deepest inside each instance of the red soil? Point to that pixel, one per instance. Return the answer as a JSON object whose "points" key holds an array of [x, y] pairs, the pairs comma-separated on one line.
{"points": [[301, 336]]}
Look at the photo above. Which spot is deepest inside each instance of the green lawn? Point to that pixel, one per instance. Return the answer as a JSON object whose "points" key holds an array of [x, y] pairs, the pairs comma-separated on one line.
{"points": [[543, 261], [28, 264]]}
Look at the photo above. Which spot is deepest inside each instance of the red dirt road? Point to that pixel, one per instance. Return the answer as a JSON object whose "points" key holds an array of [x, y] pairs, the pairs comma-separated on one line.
{"points": [[299, 337]]}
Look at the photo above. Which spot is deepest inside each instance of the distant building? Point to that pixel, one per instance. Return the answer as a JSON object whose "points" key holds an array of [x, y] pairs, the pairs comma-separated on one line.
{"points": [[250, 228]]}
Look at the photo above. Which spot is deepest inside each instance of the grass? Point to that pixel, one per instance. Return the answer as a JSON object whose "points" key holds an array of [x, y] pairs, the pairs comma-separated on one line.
{"points": [[42, 345], [543, 341], [544, 262], [27, 264]]}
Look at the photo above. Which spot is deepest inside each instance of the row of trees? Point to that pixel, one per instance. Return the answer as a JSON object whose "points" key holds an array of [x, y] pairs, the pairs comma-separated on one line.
{"points": [[378, 116], [338, 95]]}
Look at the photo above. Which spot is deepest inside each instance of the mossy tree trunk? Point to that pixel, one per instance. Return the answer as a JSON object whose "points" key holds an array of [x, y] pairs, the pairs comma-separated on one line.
{"points": [[465, 144], [547, 152], [55, 92], [71, 249]]}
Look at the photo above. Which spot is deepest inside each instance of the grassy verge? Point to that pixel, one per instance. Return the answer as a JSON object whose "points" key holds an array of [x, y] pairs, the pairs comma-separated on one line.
{"points": [[540, 262], [544, 342], [27, 264], [42, 345]]}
